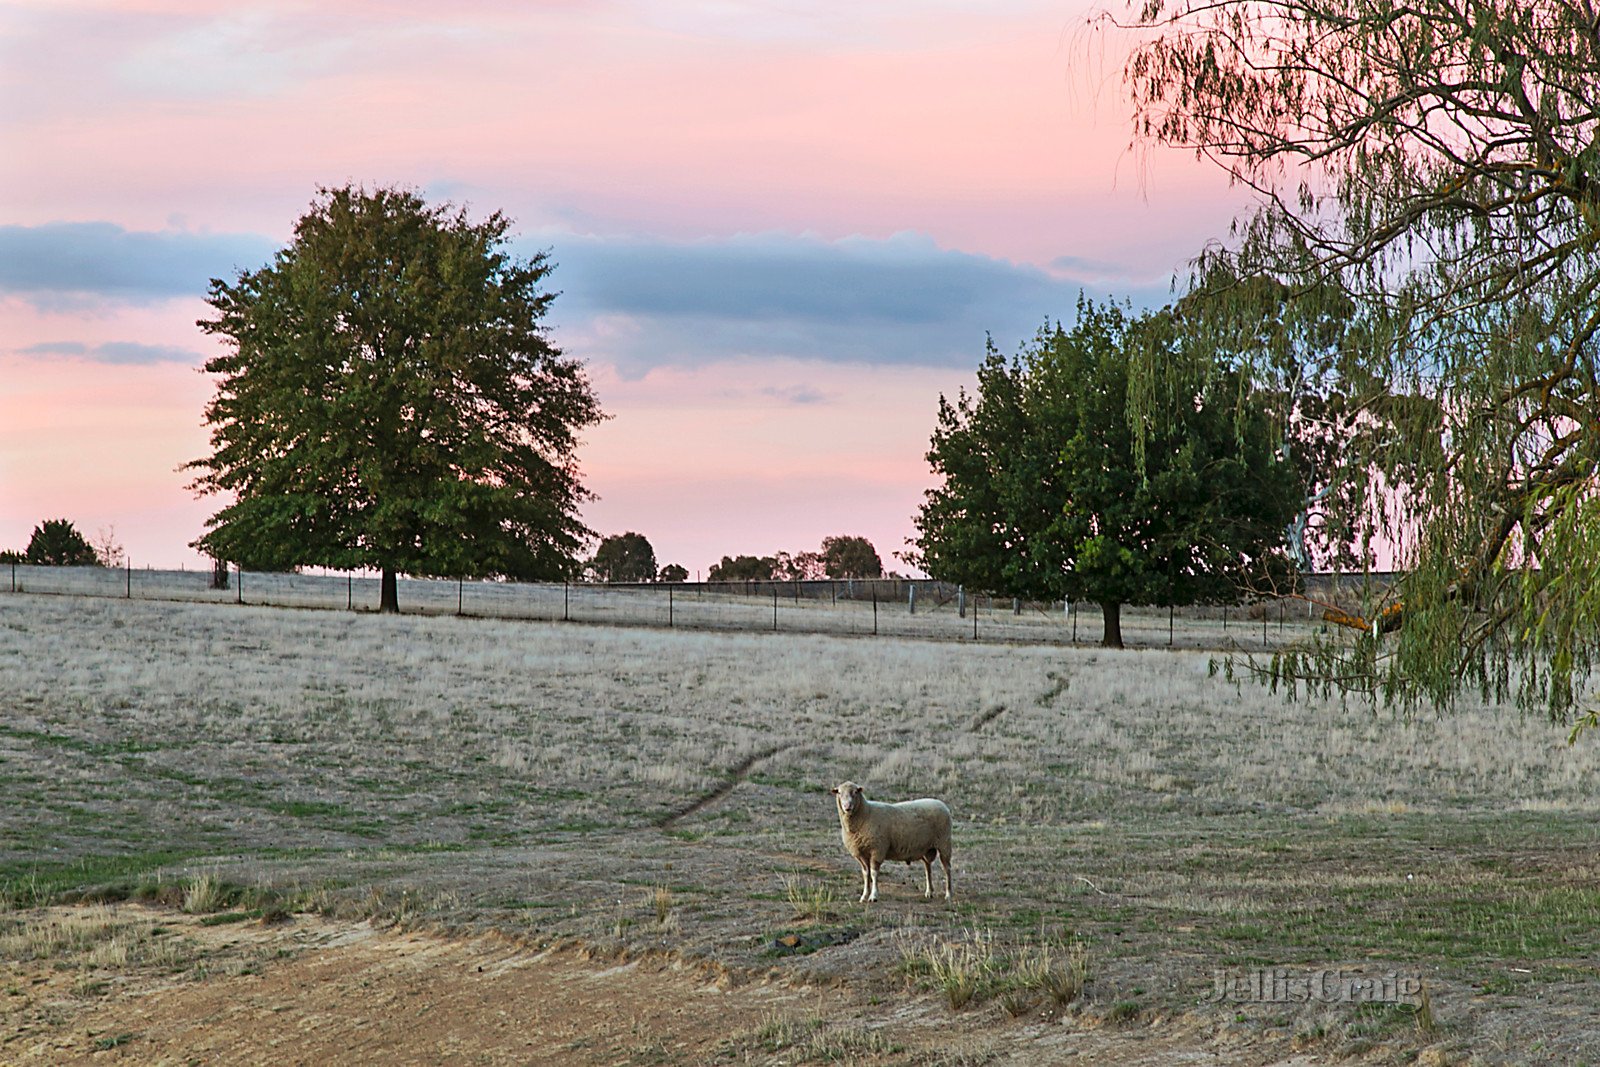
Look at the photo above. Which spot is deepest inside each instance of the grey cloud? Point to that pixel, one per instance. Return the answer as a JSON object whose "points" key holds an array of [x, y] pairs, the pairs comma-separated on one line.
{"points": [[795, 395], [123, 352], [642, 302], [56, 348], [62, 259], [899, 300]]}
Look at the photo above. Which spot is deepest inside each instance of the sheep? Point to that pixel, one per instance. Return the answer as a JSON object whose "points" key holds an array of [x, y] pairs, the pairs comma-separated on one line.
{"points": [[911, 830]]}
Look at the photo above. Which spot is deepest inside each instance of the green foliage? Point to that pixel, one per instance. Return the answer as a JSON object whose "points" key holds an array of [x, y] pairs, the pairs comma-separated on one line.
{"points": [[840, 557], [11, 555], [57, 543], [1451, 202], [626, 557], [1049, 493], [742, 568], [673, 572], [390, 400], [800, 567], [850, 557]]}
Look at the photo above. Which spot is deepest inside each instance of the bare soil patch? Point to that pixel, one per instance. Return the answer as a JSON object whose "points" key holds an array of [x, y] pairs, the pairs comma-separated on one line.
{"points": [[318, 991]]}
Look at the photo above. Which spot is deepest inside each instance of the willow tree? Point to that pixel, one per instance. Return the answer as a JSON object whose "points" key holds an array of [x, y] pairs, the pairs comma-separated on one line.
{"points": [[1435, 163], [389, 399]]}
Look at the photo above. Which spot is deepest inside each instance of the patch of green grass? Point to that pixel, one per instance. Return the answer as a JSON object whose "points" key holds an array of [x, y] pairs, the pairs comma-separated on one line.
{"points": [[806, 940], [25, 884], [1379, 1020], [311, 809], [228, 917]]}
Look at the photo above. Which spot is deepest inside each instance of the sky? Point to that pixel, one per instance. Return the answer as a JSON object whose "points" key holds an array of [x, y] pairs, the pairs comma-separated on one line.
{"points": [[781, 231]]}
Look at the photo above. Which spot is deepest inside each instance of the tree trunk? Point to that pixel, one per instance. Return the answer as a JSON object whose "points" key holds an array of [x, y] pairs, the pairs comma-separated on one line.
{"points": [[1113, 614], [389, 600], [219, 574]]}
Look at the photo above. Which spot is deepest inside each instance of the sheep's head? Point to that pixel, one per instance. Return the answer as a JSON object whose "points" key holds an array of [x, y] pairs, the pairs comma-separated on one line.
{"points": [[849, 797]]}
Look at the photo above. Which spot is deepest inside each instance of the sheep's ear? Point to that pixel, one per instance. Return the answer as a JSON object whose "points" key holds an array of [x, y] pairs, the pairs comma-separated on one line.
{"points": [[834, 790]]}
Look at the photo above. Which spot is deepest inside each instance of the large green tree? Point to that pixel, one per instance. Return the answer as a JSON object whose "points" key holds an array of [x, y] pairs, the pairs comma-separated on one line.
{"points": [[58, 543], [850, 556], [625, 557], [742, 569], [390, 399], [1048, 492], [1437, 165]]}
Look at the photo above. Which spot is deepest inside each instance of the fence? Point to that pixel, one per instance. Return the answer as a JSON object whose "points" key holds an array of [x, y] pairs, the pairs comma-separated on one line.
{"points": [[894, 607]]}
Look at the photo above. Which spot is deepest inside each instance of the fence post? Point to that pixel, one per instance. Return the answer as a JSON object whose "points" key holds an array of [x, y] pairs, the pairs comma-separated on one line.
{"points": [[669, 605], [974, 616], [1016, 605], [961, 601], [13, 576], [911, 599], [566, 601], [238, 572], [774, 605], [461, 585], [1169, 625], [129, 564], [349, 592], [1074, 622], [874, 609]]}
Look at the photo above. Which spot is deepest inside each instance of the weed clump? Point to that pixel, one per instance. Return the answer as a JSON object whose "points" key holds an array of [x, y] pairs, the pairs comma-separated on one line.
{"points": [[977, 969]]}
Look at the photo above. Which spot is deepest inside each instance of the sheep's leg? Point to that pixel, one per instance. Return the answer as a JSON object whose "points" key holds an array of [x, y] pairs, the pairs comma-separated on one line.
{"points": [[873, 865], [944, 858], [927, 879], [865, 880]]}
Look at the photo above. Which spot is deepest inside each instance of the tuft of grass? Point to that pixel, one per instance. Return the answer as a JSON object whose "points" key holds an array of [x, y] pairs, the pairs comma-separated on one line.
{"points": [[810, 1041], [661, 899], [1062, 979], [203, 894], [1017, 1002], [1427, 1023], [810, 899], [977, 968]]}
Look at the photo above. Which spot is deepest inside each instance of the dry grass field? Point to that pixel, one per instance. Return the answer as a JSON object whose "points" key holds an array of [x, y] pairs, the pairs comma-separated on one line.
{"points": [[261, 787]]}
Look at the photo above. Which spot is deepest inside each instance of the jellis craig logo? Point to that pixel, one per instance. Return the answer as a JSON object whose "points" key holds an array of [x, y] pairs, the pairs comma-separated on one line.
{"points": [[1279, 985]]}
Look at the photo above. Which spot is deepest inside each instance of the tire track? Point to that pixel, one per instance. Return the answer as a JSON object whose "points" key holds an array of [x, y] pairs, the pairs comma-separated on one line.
{"points": [[737, 774], [1058, 685]]}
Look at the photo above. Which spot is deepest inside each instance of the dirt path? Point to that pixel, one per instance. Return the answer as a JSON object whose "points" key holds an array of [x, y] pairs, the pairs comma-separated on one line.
{"points": [[313, 991]]}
